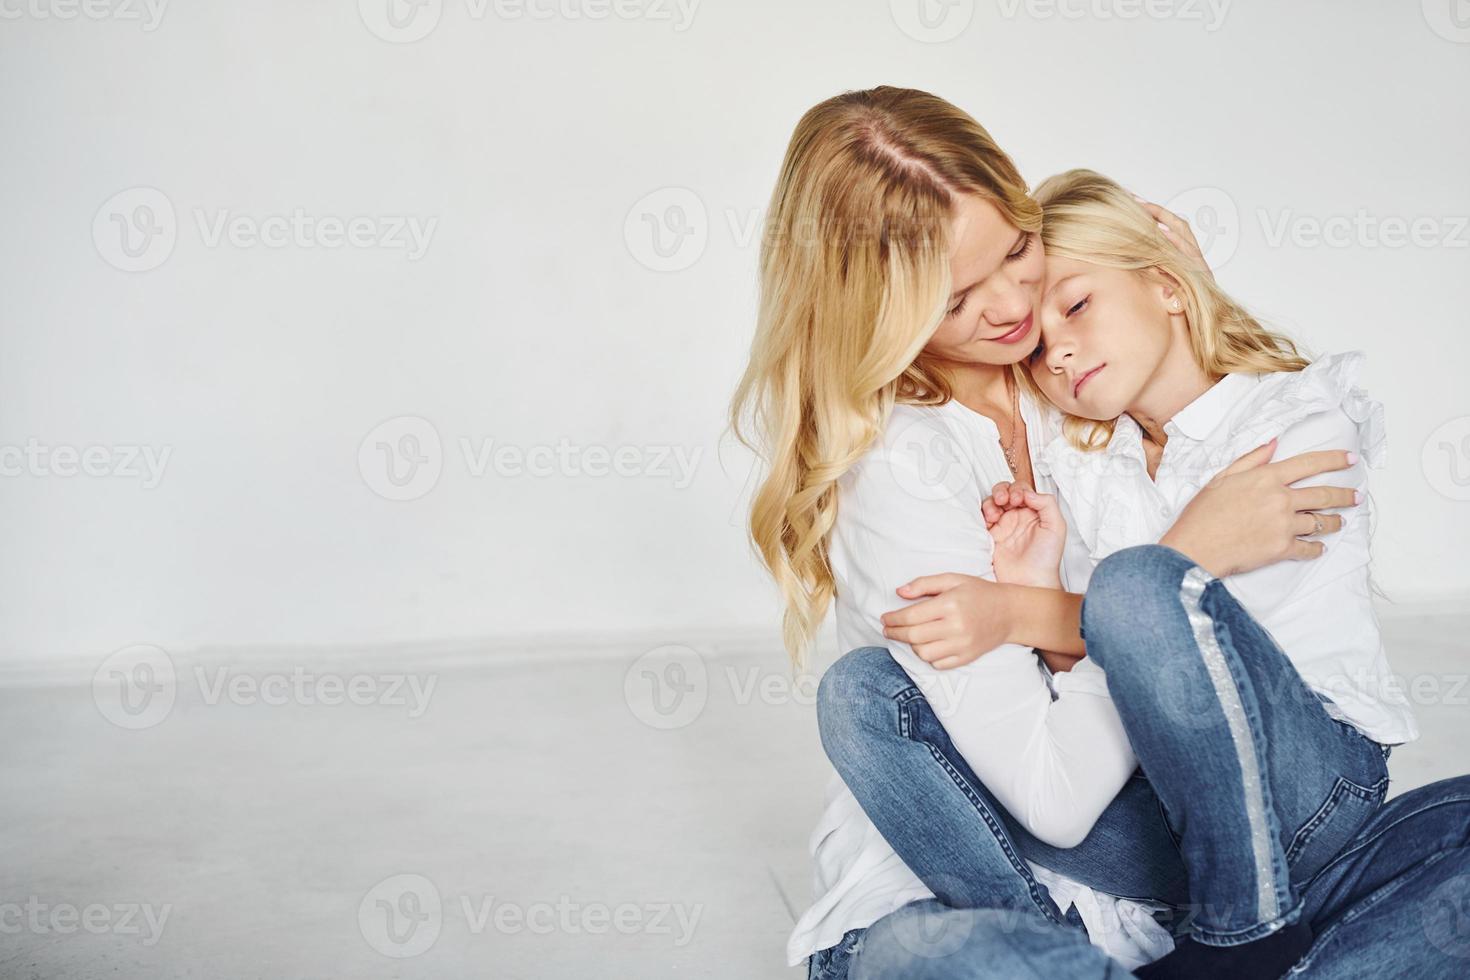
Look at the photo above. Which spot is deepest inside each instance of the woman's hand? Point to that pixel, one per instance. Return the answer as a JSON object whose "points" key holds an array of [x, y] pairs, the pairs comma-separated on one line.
{"points": [[1250, 515], [964, 617], [1177, 230], [1029, 534]]}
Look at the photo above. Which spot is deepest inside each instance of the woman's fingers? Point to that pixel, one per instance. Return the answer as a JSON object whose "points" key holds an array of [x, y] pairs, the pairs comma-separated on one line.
{"points": [[915, 635], [1302, 465], [1256, 457], [929, 585], [1307, 524], [1177, 230], [1322, 498], [938, 651], [920, 612], [1303, 549]]}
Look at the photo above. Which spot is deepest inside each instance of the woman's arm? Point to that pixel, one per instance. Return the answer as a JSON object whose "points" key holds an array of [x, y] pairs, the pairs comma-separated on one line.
{"points": [[1250, 515], [1054, 764]]}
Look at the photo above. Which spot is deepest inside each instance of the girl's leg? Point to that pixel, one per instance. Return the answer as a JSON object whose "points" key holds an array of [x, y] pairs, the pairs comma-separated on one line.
{"points": [[897, 759], [1262, 786]]}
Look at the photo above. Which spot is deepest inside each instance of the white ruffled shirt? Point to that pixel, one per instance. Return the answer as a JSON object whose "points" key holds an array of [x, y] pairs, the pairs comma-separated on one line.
{"points": [[1318, 611]]}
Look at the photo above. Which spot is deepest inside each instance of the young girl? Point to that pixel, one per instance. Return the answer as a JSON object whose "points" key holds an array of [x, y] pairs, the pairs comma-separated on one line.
{"points": [[901, 277]]}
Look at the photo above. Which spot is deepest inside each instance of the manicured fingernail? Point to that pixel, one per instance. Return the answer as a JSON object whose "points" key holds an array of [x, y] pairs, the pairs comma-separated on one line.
{"points": [[1352, 458], [1357, 497], [1163, 226]]}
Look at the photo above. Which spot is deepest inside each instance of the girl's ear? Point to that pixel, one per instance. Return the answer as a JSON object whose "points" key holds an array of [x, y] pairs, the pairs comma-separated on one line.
{"points": [[1168, 290]]}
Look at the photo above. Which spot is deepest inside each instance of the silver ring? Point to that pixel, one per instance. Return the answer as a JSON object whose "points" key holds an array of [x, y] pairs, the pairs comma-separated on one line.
{"points": [[1317, 519]]}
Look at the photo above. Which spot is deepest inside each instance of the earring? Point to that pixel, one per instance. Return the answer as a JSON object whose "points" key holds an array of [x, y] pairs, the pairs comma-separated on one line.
{"points": [[1175, 305]]}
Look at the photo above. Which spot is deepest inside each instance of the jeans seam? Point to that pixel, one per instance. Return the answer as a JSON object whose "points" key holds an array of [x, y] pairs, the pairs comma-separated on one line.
{"points": [[1362, 841], [904, 699], [1032, 887], [1364, 906], [1343, 786], [1239, 936]]}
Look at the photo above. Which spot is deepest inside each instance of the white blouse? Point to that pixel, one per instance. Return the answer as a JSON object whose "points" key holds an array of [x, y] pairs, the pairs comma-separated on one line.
{"points": [[911, 507], [1318, 611]]}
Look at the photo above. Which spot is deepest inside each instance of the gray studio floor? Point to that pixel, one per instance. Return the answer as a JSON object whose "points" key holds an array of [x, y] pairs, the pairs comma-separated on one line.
{"points": [[539, 817]]}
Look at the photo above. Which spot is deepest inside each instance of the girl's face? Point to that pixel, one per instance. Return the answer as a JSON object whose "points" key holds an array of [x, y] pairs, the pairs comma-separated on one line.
{"points": [[997, 272], [1105, 334]]}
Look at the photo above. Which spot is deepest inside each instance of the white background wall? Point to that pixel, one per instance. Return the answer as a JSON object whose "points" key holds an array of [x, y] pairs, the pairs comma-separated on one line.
{"points": [[531, 135]]}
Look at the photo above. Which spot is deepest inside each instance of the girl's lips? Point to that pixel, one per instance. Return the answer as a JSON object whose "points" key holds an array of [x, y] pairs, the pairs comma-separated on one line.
{"points": [[1076, 387], [1021, 330]]}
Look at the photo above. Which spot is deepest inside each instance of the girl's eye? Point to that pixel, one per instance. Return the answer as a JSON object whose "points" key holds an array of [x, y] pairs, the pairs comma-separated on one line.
{"points": [[1079, 306], [958, 307], [1020, 253]]}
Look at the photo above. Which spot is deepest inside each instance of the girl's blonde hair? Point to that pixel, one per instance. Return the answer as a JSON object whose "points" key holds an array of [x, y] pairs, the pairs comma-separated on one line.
{"points": [[1091, 218], [854, 279]]}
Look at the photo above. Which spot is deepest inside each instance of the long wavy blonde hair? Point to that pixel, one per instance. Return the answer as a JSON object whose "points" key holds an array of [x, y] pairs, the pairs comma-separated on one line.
{"points": [[854, 279], [1090, 218]]}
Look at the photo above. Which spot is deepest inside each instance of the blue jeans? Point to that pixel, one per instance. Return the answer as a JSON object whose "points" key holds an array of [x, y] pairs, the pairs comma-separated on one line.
{"points": [[1259, 807]]}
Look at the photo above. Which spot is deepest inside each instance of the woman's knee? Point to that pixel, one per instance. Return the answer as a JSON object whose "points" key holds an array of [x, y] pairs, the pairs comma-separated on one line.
{"points": [[1133, 593], [855, 700], [926, 939]]}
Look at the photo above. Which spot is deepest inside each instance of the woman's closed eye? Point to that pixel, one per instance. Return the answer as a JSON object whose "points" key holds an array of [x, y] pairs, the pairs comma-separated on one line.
{"points": [[1021, 251]]}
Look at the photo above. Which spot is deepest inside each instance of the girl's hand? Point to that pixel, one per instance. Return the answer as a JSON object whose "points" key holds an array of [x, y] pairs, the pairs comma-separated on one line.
{"points": [[1029, 535], [1250, 515], [964, 618]]}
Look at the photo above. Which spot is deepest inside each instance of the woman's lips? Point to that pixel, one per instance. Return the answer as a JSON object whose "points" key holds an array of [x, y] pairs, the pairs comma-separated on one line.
{"points": [[1020, 331], [1077, 385]]}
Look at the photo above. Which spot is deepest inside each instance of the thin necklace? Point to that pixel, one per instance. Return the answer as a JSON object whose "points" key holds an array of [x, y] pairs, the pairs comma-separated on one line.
{"points": [[1010, 448]]}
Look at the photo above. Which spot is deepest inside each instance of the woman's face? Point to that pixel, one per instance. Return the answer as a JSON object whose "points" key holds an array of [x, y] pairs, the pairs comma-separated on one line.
{"points": [[997, 272], [1104, 335]]}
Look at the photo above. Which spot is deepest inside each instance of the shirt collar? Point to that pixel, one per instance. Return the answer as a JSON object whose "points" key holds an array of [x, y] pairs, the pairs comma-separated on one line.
{"points": [[1203, 415]]}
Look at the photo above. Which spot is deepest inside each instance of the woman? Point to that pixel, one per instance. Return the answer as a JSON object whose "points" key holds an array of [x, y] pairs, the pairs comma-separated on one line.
{"points": [[911, 201]]}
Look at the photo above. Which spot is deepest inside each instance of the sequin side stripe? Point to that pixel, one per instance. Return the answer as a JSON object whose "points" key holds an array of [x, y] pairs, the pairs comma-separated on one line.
{"points": [[1228, 695]]}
